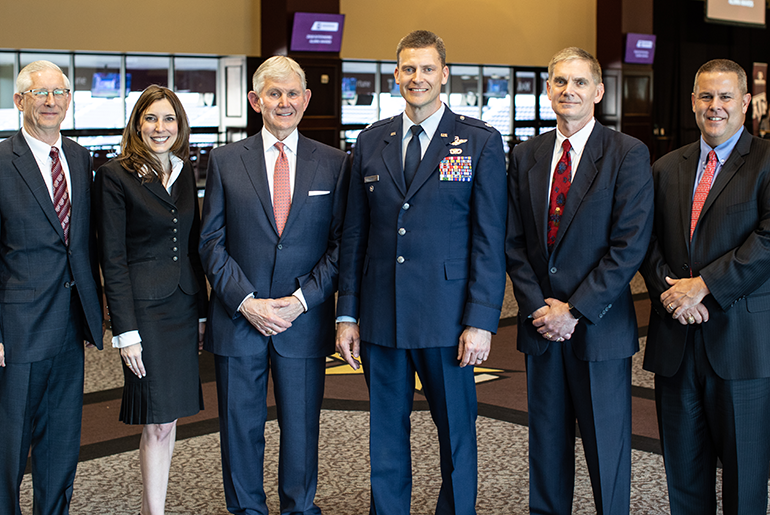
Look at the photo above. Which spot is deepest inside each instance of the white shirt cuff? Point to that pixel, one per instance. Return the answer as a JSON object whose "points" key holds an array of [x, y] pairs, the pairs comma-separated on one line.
{"points": [[301, 298], [125, 339], [346, 319]]}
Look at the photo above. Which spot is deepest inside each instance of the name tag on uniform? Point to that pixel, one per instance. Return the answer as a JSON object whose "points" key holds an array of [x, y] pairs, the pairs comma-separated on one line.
{"points": [[456, 169], [371, 178]]}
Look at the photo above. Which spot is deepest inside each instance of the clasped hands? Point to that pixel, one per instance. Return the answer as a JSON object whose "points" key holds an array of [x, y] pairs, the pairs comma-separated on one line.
{"points": [[271, 316], [553, 321], [684, 300]]}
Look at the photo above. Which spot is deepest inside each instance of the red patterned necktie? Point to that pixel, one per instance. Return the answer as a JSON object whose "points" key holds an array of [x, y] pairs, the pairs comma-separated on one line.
{"points": [[281, 189], [702, 191], [562, 180], [61, 198]]}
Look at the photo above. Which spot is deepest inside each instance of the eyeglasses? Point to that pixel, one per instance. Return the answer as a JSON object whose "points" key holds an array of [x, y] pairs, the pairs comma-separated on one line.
{"points": [[43, 93]]}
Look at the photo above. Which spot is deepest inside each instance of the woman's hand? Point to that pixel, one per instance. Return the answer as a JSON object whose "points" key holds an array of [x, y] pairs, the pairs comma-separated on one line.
{"points": [[132, 357]]}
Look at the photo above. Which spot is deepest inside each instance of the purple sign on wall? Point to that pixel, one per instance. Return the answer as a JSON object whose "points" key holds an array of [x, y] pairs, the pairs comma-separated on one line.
{"points": [[640, 48], [317, 32]]}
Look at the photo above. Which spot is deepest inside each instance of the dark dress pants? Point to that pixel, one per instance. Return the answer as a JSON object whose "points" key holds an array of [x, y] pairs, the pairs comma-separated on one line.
{"points": [[41, 407], [703, 417], [242, 395], [560, 389], [451, 394]]}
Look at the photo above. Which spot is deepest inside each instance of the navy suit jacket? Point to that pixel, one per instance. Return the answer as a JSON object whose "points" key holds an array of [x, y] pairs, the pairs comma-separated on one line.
{"points": [[730, 249], [417, 266], [242, 253], [602, 239], [36, 267]]}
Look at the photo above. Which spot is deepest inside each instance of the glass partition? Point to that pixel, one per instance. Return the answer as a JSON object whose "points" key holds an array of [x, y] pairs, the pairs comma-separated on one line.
{"points": [[496, 109], [9, 115], [464, 94], [391, 101], [98, 92], [143, 71], [195, 82], [359, 95]]}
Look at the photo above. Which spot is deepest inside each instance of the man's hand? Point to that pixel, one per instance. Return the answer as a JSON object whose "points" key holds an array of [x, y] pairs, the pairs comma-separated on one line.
{"points": [[557, 324], [695, 315], [132, 357], [2, 355], [201, 334], [474, 347], [263, 315], [349, 343], [683, 295], [292, 311]]}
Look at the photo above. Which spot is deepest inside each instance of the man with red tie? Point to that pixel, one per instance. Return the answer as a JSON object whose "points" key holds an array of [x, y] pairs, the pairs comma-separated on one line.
{"points": [[579, 223], [708, 274]]}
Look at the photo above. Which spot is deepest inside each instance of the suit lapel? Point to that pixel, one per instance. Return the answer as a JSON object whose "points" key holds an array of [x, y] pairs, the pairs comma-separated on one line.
{"points": [[253, 158], [688, 168], [27, 167], [303, 179], [391, 153], [437, 149], [539, 176], [730, 168], [157, 189]]}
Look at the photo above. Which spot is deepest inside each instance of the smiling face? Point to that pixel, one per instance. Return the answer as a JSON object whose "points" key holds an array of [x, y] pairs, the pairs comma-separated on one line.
{"points": [[159, 128], [282, 102], [43, 116], [719, 106], [573, 92], [420, 75]]}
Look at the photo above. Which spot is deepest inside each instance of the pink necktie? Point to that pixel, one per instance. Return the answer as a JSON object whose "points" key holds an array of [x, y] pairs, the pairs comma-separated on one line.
{"points": [[562, 180], [702, 191], [281, 189], [61, 199]]}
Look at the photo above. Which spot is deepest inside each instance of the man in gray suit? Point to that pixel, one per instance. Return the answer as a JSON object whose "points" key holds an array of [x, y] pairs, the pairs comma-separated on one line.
{"points": [[272, 221], [49, 301], [708, 274]]}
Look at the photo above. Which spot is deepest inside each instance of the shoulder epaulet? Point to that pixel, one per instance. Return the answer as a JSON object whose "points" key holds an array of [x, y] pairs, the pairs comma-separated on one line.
{"points": [[379, 123], [475, 122]]}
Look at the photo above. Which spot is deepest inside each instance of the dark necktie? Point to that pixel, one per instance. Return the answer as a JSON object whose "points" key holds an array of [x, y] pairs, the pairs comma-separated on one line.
{"points": [[61, 198], [562, 180], [702, 191], [281, 189], [413, 155]]}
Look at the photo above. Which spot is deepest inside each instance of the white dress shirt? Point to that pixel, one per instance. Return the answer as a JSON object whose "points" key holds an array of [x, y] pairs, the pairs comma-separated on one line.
{"points": [[42, 153], [578, 143]]}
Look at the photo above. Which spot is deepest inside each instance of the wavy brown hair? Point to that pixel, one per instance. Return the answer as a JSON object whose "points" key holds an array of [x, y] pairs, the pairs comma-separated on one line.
{"points": [[134, 154]]}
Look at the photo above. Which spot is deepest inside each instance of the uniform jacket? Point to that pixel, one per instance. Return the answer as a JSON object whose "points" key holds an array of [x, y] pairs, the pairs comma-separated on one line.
{"points": [[419, 265], [242, 253], [602, 239]]}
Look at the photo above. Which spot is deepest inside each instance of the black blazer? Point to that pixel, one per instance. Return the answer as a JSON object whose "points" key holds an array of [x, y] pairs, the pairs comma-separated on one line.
{"points": [[730, 249], [148, 240], [603, 237], [36, 267]]}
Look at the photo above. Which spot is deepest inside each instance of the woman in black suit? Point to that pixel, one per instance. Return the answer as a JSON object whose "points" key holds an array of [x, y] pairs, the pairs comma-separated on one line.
{"points": [[146, 207]]}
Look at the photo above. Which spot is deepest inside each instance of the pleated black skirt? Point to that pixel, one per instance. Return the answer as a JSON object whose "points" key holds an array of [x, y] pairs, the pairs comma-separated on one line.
{"points": [[172, 388]]}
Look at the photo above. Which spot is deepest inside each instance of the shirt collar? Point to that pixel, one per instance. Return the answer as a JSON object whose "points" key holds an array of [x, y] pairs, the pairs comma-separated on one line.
{"points": [[429, 125], [724, 150], [40, 148], [268, 140], [578, 140]]}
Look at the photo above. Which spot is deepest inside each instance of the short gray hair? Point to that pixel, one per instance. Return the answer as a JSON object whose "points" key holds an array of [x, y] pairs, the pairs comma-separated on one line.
{"points": [[572, 53], [278, 67], [24, 80]]}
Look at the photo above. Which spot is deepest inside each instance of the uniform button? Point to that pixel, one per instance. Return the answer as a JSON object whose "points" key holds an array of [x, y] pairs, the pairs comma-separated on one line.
{"points": [[174, 249], [553, 270], [400, 259], [173, 210], [280, 246], [176, 230], [685, 267], [175, 220], [402, 231], [405, 206], [67, 284], [175, 258], [173, 239]]}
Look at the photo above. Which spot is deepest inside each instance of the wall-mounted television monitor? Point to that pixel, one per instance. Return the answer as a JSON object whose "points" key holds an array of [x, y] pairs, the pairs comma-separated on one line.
{"points": [[640, 48], [497, 88], [317, 32], [105, 85], [740, 12]]}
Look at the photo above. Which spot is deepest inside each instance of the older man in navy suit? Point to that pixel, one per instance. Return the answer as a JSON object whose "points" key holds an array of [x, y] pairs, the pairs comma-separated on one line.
{"points": [[708, 273], [580, 217], [49, 300], [422, 266], [272, 220]]}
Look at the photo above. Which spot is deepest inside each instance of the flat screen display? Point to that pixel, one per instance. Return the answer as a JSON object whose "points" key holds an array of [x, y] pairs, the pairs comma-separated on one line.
{"points": [[317, 32], [743, 12], [106, 85], [640, 48]]}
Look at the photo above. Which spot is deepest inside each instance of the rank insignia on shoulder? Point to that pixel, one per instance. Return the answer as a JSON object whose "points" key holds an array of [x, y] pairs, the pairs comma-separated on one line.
{"points": [[444, 134], [458, 141], [393, 133]]}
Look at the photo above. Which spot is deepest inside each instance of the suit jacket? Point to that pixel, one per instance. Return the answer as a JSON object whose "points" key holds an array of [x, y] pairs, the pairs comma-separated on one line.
{"points": [[602, 239], [419, 265], [730, 250], [36, 267], [242, 253], [148, 240]]}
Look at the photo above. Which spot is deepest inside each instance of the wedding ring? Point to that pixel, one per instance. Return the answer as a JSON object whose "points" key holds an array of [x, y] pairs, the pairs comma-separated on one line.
{"points": [[268, 332], [670, 307], [690, 319], [547, 336]]}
